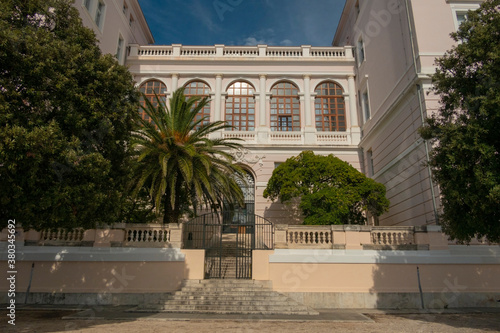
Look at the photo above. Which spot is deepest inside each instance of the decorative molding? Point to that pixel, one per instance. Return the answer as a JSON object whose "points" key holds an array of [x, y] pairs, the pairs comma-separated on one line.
{"points": [[241, 155]]}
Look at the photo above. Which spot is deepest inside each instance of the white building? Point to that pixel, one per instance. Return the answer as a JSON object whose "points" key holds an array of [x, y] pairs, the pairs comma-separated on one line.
{"points": [[116, 23], [362, 100]]}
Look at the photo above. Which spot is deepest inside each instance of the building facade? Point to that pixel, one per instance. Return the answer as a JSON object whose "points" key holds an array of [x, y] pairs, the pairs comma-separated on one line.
{"points": [[363, 99], [116, 23], [396, 43], [279, 100]]}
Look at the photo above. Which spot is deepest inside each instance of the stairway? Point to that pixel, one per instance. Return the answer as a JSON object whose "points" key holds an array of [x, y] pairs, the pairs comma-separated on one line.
{"points": [[228, 296]]}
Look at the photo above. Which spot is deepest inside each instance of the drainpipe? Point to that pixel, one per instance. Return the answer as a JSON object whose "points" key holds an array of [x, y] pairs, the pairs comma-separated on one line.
{"points": [[421, 108]]}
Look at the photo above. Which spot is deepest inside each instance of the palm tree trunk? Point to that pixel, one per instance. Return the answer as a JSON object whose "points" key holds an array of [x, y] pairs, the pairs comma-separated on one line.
{"points": [[172, 215]]}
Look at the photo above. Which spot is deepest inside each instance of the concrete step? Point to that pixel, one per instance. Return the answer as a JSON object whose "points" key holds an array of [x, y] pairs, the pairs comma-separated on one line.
{"points": [[233, 281], [238, 303], [228, 283], [214, 298], [226, 293], [214, 289], [228, 296], [248, 312], [232, 309]]}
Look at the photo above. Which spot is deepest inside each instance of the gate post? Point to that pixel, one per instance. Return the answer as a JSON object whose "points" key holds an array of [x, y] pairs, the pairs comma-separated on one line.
{"points": [[175, 230]]}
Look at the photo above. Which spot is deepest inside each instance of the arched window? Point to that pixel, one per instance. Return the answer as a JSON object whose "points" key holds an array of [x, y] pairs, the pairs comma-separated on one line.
{"points": [[149, 89], [285, 107], [200, 89], [330, 108], [240, 106]]}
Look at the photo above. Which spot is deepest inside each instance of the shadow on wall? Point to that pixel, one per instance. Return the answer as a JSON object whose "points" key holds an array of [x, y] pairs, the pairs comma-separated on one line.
{"points": [[402, 281], [288, 213], [90, 284]]}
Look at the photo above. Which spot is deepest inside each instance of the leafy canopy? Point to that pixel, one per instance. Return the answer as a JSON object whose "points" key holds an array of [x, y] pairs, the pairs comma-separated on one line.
{"points": [[66, 114], [180, 163], [465, 130], [330, 190]]}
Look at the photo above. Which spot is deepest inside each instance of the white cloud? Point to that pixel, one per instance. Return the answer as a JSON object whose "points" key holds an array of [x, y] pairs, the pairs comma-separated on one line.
{"points": [[203, 14], [253, 41], [286, 42]]}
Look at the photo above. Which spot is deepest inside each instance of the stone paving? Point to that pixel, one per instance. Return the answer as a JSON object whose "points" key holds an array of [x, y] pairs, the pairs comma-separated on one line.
{"points": [[117, 319]]}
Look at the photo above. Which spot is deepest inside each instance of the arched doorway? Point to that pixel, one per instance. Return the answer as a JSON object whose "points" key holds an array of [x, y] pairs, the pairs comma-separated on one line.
{"points": [[248, 189]]}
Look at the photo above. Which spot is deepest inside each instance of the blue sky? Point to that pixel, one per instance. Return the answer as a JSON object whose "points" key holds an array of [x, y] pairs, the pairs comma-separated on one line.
{"points": [[243, 22]]}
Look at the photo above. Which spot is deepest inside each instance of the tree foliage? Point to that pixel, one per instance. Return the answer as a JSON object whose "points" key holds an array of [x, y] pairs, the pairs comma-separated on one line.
{"points": [[178, 161], [66, 114], [465, 130], [330, 190]]}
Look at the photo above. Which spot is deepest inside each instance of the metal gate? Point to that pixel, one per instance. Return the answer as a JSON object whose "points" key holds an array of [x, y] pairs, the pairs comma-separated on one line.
{"points": [[228, 239]]}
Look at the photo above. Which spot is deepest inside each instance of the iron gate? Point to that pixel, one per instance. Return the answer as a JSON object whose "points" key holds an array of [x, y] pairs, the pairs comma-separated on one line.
{"points": [[228, 240]]}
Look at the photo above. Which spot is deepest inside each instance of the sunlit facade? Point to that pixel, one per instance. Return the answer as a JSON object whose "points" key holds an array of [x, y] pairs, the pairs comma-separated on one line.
{"points": [[273, 105], [362, 99]]}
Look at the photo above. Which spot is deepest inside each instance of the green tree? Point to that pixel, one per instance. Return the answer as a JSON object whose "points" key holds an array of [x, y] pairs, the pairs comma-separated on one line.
{"points": [[66, 115], [330, 190], [178, 161], [465, 130]]}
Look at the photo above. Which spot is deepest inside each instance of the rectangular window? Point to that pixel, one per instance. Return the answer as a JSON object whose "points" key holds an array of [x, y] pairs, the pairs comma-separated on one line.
{"points": [[461, 17], [119, 50], [87, 4], [131, 21], [369, 161], [125, 8], [361, 52], [366, 105], [285, 123], [99, 14], [460, 12]]}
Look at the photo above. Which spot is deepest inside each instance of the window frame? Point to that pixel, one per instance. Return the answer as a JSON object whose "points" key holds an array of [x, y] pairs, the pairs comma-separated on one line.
{"points": [[288, 103], [119, 49], [125, 8], [87, 4], [206, 111], [99, 14], [369, 162], [461, 8], [360, 51], [339, 100], [233, 99], [365, 104], [151, 96]]}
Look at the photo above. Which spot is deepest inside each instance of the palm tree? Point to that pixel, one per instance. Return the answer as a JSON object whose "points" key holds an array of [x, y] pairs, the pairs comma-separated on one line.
{"points": [[182, 166]]}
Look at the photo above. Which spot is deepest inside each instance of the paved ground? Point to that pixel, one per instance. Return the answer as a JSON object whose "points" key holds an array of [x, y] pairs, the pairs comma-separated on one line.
{"points": [[119, 320]]}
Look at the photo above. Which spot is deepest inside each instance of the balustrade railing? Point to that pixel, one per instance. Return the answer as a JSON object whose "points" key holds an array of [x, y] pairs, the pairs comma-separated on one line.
{"points": [[330, 138], [286, 136], [284, 52], [197, 51], [240, 51], [393, 237], [305, 236], [62, 235], [328, 52], [147, 236], [286, 236], [247, 136], [260, 51], [155, 51]]}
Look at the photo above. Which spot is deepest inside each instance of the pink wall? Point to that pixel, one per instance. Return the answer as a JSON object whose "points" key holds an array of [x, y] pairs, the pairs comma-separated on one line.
{"points": [[116, 24]]}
